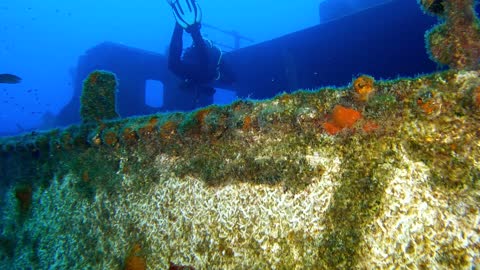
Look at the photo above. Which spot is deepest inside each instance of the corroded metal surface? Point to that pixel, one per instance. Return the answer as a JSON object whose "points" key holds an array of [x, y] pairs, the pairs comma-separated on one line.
{"points": [[332, 178]]}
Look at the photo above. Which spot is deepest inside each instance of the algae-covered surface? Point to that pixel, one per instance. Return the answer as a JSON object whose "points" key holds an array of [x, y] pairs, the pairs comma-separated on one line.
{"points": [[375, 175]]}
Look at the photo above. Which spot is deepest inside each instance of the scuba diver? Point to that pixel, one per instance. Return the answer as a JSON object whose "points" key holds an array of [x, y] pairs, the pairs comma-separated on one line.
{"points": [[199, 66]]}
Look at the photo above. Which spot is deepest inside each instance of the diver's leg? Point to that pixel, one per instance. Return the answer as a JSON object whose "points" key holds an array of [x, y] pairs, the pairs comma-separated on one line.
{"points": [[204, 96]]}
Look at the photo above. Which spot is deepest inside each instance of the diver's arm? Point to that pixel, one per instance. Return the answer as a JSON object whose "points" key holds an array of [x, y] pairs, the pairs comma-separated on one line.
{"points": [[175, 63], [176, 46], [199, 43]]}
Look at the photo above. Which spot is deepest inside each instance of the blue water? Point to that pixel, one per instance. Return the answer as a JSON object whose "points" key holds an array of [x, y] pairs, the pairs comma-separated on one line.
{"points": [[41, 41]]}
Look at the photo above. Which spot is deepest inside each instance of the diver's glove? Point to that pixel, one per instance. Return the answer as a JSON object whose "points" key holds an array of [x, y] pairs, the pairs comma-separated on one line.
{"points": [[187, 13]]}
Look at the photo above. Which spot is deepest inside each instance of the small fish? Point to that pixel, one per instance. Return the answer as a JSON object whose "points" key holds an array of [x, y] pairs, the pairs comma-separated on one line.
{"points": [[9, 78]]}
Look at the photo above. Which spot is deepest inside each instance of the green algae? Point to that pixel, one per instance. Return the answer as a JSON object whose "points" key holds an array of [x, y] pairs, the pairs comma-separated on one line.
{"points": [[98, 97], [456, 39], [219, 146], [357, 200]]}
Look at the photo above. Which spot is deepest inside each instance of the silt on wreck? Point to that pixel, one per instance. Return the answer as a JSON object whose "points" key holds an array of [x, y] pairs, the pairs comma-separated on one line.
{"points": [[377, 174]]}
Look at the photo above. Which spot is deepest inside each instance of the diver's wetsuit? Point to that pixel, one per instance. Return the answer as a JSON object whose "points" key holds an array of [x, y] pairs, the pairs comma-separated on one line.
{"points": [[196, 73]]}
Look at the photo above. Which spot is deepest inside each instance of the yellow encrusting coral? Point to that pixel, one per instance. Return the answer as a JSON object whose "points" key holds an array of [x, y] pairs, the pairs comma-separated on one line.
{"points": [[364, 87]]}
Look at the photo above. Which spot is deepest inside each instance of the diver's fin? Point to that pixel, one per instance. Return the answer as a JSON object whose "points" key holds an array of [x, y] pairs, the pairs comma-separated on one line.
{"points": [[186, 12], [9, 78]]}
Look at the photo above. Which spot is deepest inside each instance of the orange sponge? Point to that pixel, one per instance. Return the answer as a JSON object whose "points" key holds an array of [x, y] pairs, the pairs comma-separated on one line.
{"points": [[135, 261], [363, 86], [331, 128], [345, 117], [342, 117], [476, 96]]}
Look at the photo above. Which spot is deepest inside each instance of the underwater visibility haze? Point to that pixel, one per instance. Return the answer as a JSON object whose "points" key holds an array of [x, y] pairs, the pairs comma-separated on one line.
{"points": [[41, 41]]}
